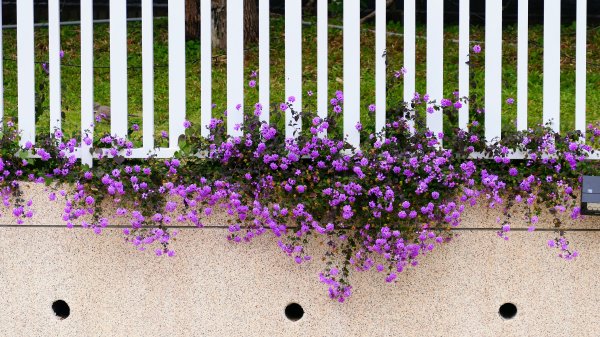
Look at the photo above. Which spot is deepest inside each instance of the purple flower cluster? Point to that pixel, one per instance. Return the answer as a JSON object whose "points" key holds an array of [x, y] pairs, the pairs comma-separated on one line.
{"points": [[378, 208]]}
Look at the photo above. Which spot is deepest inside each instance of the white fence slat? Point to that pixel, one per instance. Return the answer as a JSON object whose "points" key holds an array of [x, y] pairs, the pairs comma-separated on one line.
{"points": [[409, 49], [235, 65], [206, 66], [118, 68], [148, 73], [1, 72], [463, 58], [522, 64], [87, 78], [380, 64], [551, 90], [493, 68], [352, 71], [25, 71], [409, 52], [435, 60], [264, 59], [176, 71], [322, 61], [580, 65], [54, 60], [293, 64]]}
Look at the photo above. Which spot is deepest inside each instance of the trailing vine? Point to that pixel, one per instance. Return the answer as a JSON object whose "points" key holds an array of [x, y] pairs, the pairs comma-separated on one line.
{"points": [[376, 208]]}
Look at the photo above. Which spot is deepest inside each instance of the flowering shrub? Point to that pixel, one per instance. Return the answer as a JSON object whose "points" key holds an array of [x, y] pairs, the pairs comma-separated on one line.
{"points": [[378, 207]]}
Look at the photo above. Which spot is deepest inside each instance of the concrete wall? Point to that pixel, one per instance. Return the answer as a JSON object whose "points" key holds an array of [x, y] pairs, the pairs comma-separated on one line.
{"points": [[215, 288]]}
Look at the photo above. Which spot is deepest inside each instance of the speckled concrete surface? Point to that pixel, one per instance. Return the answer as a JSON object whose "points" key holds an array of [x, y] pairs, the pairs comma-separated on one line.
{"points": [[216, 288]]}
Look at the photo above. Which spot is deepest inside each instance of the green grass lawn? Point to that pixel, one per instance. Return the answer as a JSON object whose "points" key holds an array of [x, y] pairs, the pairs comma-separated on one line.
{"points": [[71, 73]]}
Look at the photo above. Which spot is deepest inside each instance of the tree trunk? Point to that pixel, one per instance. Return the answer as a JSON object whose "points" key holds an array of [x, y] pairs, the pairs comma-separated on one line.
{"points": [[219, 24], [250, 21], [192, 19]]}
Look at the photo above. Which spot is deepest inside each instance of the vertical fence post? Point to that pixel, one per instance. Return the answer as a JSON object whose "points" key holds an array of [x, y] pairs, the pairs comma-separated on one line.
{"points": [[352, 71], [25, 71], [551, 96], [118, 68], [87, 80], [463, 58], [54, 60], [522, 64], [409, 53], [435, 61], [322, 61], [176, 71], [264, 60], [235, 65], [148, 73], [380, 64], [580, 66], [293, 64], [206, 66], [493, 68]]}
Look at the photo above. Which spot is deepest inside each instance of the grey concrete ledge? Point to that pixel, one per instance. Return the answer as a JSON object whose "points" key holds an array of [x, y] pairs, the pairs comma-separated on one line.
{"points": [[475, 217], [216, 288]]}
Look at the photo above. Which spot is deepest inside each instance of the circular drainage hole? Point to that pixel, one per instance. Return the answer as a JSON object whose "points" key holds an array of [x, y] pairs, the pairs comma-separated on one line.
{"points": [[294, 311], [61, 309], [508, 310]]}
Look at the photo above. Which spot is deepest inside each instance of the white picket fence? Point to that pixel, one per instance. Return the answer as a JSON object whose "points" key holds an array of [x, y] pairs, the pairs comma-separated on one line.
{"points": [[293, 65]]}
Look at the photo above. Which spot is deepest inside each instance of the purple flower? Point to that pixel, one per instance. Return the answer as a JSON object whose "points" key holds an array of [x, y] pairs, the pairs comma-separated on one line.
{"points": [[45, 156], [252, 83], [513, 171], [510, 100], [400, 72], [89, 200], [187, 124], [477, 49]]}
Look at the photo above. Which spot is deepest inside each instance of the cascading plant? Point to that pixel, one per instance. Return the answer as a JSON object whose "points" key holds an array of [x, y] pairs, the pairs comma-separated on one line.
{"points": [[375, 208]]}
